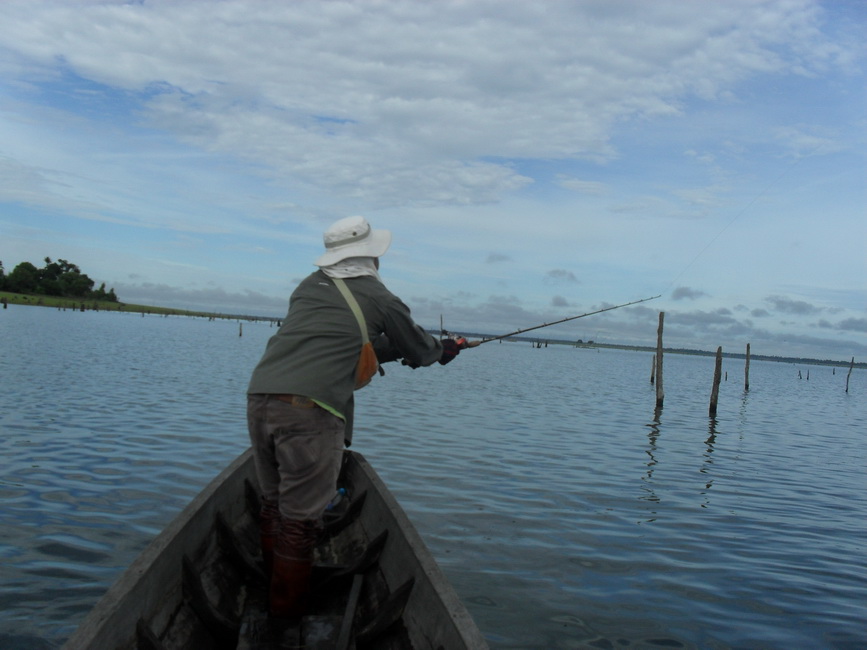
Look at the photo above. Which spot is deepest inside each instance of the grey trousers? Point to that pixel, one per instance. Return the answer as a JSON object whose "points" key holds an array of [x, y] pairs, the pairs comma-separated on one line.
{"points": [[297, 451]]}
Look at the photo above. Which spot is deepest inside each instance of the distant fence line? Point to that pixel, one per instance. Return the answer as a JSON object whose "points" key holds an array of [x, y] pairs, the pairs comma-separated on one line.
{"points": [[657, 365]]}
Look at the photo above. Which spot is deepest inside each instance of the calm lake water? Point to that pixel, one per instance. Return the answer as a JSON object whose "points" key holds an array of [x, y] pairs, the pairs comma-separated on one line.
{"points": [[566, 513]]}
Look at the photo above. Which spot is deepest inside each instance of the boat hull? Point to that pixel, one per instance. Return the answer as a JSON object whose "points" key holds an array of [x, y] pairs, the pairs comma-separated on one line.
{"points": [[200, 584]]}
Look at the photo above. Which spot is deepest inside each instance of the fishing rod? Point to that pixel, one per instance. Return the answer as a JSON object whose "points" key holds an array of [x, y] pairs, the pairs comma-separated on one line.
{"points": [[473, 344]]}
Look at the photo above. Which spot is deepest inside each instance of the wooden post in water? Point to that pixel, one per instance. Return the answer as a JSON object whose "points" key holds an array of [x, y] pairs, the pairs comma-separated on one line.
{"points": [[717, 373], [851, 365], [240, 329], [653, 369], [747, 370], [660, 393]]}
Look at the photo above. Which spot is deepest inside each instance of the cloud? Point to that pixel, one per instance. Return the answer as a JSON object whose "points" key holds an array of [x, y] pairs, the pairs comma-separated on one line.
{"points": [[410, 115], [682, 293], [802, 144], [582, 186], [210, 299], [853, 325], [198, 142], [719, 320], [560, 276], [790, 306], [702, 157], [497, 258]]}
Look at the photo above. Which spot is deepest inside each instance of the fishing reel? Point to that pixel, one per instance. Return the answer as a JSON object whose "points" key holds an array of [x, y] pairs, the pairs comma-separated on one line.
{"points": [[462, 342]]}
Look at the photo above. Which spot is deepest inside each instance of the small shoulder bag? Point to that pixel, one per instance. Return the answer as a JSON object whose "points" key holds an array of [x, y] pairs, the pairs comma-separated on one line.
{"points": [[367, 361]]}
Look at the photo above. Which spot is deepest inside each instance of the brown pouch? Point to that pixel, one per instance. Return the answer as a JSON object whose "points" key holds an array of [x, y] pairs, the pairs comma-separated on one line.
{"points": [[367, 366]]}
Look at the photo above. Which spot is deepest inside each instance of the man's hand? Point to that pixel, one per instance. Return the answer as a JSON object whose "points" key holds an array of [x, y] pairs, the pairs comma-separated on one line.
{"points": [[451, 349]]}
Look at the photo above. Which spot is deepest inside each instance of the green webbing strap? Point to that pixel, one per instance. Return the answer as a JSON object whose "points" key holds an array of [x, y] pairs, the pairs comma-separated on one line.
{"points": [[353, 305]]}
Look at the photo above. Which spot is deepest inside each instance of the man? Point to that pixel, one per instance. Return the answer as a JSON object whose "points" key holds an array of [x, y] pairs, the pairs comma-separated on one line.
{"points": [[300, 398]]}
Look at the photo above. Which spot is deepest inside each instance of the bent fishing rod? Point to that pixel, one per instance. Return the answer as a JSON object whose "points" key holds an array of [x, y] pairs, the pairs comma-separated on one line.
{"points": [[472, 344]]}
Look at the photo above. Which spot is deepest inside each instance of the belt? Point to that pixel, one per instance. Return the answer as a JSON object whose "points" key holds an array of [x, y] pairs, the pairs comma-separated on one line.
{"points": [[297, 400]]}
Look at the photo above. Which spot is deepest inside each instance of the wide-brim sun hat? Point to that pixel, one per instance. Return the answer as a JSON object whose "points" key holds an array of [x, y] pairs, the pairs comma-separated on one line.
{"points": [[353, 237]]}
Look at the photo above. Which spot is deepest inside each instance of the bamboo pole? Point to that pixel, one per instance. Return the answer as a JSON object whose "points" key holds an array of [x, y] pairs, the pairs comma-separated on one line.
{"points": [[851, 365], [747, 370], [717, 373], [660, 393]]}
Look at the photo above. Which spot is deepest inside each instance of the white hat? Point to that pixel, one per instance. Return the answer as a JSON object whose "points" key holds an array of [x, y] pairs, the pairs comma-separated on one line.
{"points": [[353, 237]]}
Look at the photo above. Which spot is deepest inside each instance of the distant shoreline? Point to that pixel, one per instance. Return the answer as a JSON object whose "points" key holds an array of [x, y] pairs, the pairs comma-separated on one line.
{"points": [[699, 353], [78, 304], [95, 305]]}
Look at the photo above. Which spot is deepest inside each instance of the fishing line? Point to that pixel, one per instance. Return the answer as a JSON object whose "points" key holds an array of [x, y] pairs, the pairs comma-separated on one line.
{"points": [[739, 215], [487, 339]]}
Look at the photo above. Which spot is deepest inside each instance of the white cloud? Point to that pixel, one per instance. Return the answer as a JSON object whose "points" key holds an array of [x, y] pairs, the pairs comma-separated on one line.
{"points": [[358, 98], [625, 143], [802, 143], [583, 186]]}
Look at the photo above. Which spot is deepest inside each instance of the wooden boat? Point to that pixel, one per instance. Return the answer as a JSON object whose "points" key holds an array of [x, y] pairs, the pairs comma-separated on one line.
{"points": [[200, 583]]}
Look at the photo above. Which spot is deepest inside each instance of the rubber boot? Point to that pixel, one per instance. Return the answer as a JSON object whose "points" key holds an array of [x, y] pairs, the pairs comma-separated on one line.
{"points": [[293, 564], [269, 529]]}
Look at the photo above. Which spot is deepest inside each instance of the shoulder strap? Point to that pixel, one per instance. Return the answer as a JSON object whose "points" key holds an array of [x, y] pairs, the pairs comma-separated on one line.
{"points": [[353, 305]]}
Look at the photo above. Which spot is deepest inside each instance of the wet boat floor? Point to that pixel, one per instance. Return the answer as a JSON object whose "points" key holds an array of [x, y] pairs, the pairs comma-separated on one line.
{"points": [[351, 606]]}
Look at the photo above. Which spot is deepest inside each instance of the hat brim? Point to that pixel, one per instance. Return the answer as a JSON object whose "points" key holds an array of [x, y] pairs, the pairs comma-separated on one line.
{"points": [[373, 245]]}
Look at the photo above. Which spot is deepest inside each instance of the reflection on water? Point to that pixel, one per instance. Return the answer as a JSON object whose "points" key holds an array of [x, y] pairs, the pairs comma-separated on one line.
{"points": [[707, 467], [652, 437], [564, 518]]}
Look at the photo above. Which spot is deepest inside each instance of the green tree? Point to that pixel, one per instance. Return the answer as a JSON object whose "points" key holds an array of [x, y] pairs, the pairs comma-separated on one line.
{"points": [[49, 279], [2, 277], [23, 279], [102, 294], [75, 285], [61, 278]]}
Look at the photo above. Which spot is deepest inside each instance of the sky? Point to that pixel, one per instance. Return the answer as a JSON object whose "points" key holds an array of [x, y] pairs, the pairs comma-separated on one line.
{"points": [[533, 160]]}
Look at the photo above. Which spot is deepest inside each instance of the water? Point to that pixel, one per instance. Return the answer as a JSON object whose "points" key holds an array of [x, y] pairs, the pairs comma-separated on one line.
{"points": [[565, 511]]}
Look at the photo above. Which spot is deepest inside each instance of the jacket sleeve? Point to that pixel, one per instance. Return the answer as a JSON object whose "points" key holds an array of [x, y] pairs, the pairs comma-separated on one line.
{"points": [[404, 339]]}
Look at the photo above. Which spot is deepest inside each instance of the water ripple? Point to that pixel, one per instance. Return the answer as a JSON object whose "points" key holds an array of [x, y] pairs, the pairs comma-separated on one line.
{"points": [[567, 511]]}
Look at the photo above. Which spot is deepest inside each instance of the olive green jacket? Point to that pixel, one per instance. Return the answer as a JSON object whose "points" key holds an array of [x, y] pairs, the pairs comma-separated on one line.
{"points": [[316, 349]]}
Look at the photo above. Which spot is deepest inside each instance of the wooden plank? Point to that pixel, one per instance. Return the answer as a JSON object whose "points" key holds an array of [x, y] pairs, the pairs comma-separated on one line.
{"points": [[345, 635]]}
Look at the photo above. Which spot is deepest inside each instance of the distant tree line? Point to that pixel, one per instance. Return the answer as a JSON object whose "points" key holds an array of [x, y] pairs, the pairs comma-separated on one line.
{"points": [[60, 278]]}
